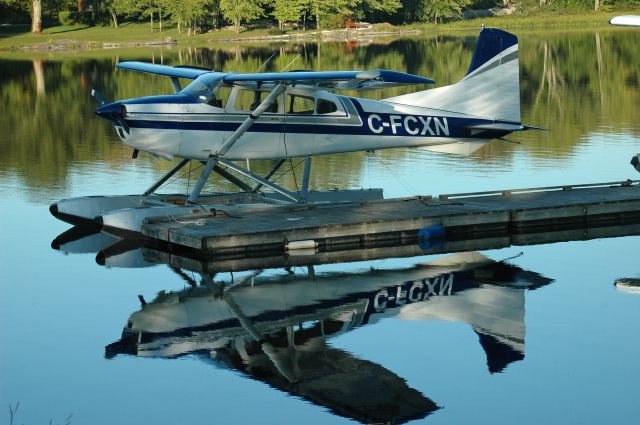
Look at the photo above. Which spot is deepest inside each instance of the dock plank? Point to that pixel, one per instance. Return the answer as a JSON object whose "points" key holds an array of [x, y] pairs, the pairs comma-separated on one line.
{"points": [[346, 222]]}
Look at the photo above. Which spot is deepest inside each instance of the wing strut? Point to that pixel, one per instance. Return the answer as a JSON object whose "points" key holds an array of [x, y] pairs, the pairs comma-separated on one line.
{"points": [[228, 144], [277, 90]]}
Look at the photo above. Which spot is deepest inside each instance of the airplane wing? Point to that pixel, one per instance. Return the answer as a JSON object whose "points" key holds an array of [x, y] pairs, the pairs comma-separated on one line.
{"points": [[170, 71], [336, 80]]}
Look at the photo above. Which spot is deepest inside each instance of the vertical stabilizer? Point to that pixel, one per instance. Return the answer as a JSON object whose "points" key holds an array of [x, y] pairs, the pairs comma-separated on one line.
{"points": [[491, 88]]}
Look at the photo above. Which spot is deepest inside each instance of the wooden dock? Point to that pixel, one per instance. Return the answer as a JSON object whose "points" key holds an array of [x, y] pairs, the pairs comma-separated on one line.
{"points": [[196, 262], [231, 233]]}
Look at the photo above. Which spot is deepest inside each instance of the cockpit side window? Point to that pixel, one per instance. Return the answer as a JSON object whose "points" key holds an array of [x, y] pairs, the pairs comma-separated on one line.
{"points": [[221, 97], [249, 100]]}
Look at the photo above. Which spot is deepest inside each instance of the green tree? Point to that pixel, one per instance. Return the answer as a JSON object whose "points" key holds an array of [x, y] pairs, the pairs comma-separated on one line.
{"points": [[388, 6], [109, 8], [288, 10], [190, 12], [122, 7], [322, 9], [438, 9], [241, 10]]}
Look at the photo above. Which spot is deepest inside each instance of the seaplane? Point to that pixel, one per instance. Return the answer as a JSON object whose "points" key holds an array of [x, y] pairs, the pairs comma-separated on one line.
{"points": [[221, 119]]}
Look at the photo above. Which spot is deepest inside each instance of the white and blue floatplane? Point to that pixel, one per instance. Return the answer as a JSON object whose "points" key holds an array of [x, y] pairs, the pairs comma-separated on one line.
{"points": [[223, 117]]}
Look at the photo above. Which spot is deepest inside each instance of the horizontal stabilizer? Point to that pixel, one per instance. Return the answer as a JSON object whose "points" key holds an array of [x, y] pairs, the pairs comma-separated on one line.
{"points": [[530, 127], [460, 260], [503, 127], [457, 148], [496, 127]]}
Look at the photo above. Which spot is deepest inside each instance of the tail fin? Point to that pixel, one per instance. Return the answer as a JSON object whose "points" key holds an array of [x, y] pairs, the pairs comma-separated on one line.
{"points": [[491, 88]]}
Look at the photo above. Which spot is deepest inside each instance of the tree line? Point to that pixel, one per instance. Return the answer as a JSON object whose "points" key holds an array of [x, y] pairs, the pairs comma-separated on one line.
{"points": [[192, 16]]}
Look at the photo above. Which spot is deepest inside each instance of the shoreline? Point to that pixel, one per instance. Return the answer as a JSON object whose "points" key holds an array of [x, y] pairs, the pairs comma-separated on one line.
{"points": [[137, 34]]}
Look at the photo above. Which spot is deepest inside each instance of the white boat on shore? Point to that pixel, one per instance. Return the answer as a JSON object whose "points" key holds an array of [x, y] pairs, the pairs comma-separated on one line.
{"points": [[625, 21]]}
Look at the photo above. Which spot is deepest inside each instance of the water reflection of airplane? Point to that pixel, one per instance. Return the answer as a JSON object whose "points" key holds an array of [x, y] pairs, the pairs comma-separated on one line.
{"points": [[276, 328]]}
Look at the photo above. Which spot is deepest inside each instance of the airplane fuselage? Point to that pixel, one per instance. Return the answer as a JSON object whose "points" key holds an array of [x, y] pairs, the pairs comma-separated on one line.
{"points": [[301, 122]]}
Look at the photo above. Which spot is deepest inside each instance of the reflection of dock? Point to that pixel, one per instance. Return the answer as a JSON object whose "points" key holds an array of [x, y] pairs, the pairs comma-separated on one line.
{"points": [[396, 221]]}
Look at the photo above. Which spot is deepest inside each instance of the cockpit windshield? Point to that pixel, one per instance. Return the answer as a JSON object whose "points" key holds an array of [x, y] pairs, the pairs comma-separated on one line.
{"points": [[204, 88]]}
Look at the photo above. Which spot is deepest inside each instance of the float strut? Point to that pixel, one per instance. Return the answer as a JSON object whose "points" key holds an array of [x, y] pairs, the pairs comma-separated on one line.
{"points": [[195, 193], [305, 179], [269, 174], [258, 179], [231, 178], [166, 177]]}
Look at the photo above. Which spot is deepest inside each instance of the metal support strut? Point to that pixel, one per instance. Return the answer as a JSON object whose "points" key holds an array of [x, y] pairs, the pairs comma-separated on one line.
{"points": [[269, 174], [266, 103], [217, 158], [166, 177], [305, 179], [195, 193], [262, 181]]}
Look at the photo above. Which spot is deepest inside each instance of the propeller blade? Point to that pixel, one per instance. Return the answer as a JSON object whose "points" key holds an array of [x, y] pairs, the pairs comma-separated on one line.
{"points": [[99, 97]]}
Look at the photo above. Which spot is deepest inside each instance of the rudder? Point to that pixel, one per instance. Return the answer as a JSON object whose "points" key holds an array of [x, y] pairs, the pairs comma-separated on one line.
{"points": [[491, 87]]}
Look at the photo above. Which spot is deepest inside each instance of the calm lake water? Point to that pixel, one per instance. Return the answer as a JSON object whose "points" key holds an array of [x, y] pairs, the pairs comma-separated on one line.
{"points": [[545, 337]]}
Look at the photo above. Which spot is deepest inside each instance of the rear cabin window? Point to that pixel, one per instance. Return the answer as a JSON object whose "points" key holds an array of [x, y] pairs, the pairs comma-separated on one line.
{"points": [[248, 100], [325, 107], [300, 104]]}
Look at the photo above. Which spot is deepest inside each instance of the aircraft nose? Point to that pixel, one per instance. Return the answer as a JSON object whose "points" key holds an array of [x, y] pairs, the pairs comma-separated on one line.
{"points": [[111, 110]]}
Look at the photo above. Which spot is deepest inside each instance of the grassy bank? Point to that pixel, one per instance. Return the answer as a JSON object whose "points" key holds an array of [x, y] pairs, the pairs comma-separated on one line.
{"points": [[129, 32], [552, 20], [64, 37]]}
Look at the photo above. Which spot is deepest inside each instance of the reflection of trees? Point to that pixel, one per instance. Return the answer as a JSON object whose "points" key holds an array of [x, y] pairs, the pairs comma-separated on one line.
{"points": [[38, 72], [551, 81], [564, 79]]}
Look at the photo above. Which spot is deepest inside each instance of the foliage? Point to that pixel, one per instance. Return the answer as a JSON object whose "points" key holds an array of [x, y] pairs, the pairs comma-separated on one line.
{"points": [[238, 11], [276, 31], [288, 10], [439, 9], [198, 16], [72, 17]]}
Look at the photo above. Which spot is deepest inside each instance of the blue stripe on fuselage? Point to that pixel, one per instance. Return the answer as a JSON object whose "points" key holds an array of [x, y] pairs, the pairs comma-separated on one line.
{"points": [[373, 124]]}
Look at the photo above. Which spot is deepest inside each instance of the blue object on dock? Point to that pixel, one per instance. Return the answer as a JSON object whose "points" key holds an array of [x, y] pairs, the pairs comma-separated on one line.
{"points": [[431, 232], [426, 244]]}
